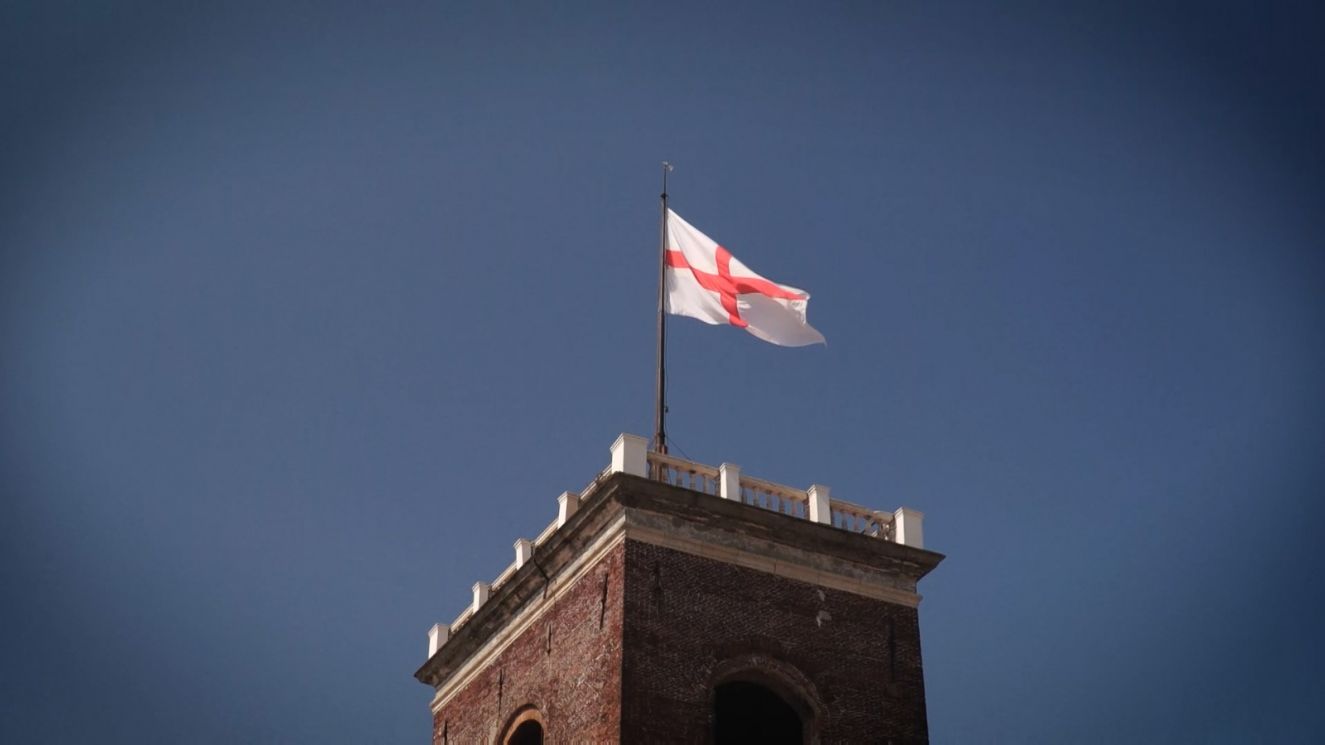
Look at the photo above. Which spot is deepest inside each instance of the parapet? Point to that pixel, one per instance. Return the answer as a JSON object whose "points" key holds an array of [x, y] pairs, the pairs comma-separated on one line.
{"points": [[646, 495]]}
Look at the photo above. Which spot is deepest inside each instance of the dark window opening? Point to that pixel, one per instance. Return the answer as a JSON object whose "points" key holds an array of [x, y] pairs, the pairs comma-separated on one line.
{"points": [[529, 732], [748, 712]]}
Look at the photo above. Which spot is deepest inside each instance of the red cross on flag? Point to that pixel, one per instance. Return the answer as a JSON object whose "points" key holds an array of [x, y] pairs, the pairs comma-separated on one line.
{"points": [[705, 282]]}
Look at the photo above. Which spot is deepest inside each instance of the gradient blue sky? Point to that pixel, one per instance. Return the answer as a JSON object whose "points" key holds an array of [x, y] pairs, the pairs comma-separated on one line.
{"points": [[308, 310]]}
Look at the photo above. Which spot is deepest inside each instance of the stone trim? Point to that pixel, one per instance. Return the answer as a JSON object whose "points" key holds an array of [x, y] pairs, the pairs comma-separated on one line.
{"points": [[612, 537], [776, 566], [625, 506]]}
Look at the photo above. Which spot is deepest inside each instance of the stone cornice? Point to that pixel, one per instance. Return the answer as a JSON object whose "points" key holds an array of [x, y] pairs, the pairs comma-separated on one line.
{"points": [[625, 507]]}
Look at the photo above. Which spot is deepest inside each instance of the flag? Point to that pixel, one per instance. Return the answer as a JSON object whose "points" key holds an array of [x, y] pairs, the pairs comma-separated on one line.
{"points": [[704, 281]]}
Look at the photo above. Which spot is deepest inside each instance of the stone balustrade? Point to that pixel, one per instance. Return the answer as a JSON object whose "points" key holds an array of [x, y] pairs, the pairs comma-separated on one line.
{"points": [[630, 455], [814, 503]]}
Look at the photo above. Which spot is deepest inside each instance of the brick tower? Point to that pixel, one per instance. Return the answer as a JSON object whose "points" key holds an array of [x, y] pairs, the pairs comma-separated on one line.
{"points": [[676, 602]]}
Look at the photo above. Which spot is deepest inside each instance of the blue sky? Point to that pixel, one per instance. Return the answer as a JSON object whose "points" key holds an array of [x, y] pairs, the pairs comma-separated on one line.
{"points": [[308, 310]]}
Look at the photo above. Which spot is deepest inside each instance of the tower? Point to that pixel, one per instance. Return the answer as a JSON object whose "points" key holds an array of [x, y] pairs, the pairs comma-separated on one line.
{"points": [[671, 601]]}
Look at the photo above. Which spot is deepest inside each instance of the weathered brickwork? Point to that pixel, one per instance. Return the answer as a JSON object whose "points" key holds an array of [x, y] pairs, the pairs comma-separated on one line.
{"points": [[572, 676], [690, 619], [695, 592]]}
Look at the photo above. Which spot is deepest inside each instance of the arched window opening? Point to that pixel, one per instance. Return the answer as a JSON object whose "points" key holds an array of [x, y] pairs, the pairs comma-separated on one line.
{"points": [[526, 728], [748, 712], [529, 732]]}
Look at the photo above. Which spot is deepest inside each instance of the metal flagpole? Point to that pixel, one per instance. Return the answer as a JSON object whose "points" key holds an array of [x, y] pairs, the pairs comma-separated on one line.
{"points": [[660, 416]]}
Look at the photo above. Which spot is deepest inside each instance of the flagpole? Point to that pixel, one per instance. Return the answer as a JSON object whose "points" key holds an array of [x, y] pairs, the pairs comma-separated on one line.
{"points": [[660, 415]]}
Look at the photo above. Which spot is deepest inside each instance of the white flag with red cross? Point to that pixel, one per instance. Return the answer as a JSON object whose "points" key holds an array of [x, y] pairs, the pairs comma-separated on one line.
{"points": [[705, 282]]}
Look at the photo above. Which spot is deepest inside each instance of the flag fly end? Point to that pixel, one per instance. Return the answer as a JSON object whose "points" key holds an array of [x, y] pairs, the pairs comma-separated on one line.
{"points": [[705, 282]]}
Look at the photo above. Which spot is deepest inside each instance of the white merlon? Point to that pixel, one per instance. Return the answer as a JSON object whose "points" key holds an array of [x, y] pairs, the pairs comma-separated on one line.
{"points": [[524, 550], [567, 503], [820, 507], [437, 636], [630, 455], [908, 527], [729, 481], [481, 590]]}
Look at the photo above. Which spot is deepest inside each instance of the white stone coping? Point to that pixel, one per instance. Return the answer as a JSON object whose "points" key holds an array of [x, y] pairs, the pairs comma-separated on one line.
{"points": [[630, 455]]}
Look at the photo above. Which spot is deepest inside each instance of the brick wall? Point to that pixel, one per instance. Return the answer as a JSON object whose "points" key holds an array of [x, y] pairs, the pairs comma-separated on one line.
{"points": [[672, 625], [690, 620], [572, 676]]}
